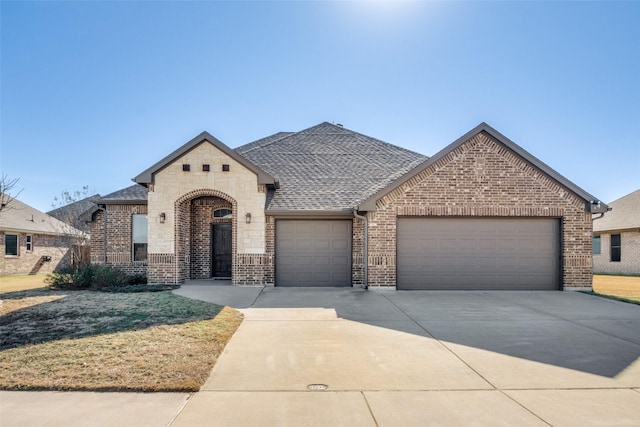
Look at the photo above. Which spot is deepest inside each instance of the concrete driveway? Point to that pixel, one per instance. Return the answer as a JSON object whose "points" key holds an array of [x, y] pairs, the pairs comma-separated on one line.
{"points": [[425, 358], [418, 358]]}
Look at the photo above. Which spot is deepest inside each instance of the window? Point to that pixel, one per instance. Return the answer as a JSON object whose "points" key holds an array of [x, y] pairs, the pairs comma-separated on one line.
{"points": [[139, 237], [596, 245], [11, 244], [29, 243], [616, 251], [222, 213]]}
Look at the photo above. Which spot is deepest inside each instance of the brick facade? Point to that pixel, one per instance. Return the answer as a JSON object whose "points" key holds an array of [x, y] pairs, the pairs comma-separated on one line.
{"points": [[119, 238], [630, 254], [57, 248], [481, 178]]}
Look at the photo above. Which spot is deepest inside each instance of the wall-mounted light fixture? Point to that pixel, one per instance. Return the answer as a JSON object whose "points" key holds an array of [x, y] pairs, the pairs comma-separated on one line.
{"points": [[163, 218], [248, 218]]}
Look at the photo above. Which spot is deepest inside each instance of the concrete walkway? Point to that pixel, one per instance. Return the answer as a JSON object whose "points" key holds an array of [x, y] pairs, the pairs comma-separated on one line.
{"points": [[333, 357]]}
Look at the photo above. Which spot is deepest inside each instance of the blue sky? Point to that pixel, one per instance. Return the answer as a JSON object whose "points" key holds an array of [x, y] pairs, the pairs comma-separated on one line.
{"points": [[95, 92]]}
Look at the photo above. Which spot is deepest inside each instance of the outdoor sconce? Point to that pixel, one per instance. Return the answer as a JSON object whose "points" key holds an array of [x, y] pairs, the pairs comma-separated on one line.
{"points": [[163, 217], [248, 218]]}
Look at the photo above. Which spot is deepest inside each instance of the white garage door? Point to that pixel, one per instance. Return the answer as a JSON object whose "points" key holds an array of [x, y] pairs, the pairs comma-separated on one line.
{"points": [[478, 253], [313, 252]]}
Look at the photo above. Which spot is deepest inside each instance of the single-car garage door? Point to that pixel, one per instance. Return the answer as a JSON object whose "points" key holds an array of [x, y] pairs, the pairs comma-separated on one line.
{"points": [[478, 253], [313, 252]]}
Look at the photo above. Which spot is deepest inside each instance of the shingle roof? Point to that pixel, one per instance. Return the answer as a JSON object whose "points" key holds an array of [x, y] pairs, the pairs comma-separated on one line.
{"points": [[134, 193], [71, 213], [21, 217], [327, 167], [625, 214]]}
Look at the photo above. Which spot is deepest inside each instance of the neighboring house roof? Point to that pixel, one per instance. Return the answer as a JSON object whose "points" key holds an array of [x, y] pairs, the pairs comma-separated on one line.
{"points": [[71, 212], [22, 218], [327, 168], [147, 177], [624, 215], [592, 204]]}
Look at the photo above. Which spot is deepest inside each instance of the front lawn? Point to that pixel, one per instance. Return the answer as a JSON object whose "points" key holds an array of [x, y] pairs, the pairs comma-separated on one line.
{"points": [[86, 340], [625, 287]]}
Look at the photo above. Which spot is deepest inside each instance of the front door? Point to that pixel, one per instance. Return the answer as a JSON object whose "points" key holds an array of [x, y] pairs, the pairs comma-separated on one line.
{"points": [[221, 250]]}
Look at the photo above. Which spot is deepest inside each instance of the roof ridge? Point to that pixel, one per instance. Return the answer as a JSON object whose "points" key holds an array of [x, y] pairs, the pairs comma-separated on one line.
{"points": [[266, 143], [289, 134]]}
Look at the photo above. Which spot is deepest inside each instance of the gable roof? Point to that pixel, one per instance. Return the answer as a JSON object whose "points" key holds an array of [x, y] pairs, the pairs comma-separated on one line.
{"points": [[22, 218], [592, 204], [624, 215], [147, 176], [134, 194], [327, 168], [71, 212]]}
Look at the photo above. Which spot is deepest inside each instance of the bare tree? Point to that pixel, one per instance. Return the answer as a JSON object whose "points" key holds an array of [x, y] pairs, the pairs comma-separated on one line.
{"points": [[7, 186], [67, 209]]}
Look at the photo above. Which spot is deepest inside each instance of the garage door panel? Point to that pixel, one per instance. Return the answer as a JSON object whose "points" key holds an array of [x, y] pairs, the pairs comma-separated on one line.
{"points": [[478, 253], [320, 254]]}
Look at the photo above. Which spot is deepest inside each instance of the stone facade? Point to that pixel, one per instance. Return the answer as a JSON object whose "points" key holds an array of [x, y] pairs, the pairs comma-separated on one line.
{"points": [[481, 178], [629, 263], [47, 254], [176, 194]]}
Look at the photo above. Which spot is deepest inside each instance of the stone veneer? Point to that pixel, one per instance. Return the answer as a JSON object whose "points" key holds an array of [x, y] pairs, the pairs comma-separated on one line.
{"points": [[174, 193], [481, 178]]}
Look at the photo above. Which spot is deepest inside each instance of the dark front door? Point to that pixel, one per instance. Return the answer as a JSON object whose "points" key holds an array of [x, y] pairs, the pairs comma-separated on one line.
{"points": [[221, 250]]}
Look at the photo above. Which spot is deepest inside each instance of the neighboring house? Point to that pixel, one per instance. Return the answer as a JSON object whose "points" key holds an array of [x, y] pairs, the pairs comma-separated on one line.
{"points": [[71, 213], [616, 237], [33, 242], [327, 206]]}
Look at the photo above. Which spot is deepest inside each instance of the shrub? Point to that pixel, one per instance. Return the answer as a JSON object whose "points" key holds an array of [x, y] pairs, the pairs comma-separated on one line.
{"points": [[92, 276]]}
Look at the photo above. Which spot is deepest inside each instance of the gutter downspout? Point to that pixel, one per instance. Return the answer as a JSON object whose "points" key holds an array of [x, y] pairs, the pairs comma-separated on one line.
{"points": [[365, 257], [104, 230]]}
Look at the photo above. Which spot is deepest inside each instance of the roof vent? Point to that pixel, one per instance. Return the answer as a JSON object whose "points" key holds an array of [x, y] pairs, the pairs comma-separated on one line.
{"points": [[339, 125]]}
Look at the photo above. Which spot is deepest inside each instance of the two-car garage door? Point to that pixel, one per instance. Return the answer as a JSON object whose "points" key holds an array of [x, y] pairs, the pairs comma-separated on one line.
{"points": [[478, 253]]}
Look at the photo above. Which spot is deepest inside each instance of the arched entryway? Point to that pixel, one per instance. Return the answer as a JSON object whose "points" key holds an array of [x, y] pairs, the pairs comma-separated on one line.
{"points": [[205, 234]]}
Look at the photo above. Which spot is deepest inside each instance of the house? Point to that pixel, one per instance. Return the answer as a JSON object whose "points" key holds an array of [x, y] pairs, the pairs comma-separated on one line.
{"points": [[33, 242], [327, 206], [70, 213], [616, 237]]}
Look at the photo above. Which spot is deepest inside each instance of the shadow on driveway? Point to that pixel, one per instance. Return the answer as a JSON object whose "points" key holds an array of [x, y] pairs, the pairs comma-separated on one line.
{"points": [[564, 329]]}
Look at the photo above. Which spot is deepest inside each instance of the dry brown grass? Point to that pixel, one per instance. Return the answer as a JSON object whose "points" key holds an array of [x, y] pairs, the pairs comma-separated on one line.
{"points": [[21, 283], [627, 287], [82, 340]]}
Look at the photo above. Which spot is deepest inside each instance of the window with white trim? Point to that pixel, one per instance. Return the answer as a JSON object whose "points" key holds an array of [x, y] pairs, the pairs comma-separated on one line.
{"points": [[11, 245], [29, 243]]}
